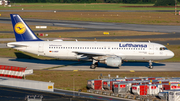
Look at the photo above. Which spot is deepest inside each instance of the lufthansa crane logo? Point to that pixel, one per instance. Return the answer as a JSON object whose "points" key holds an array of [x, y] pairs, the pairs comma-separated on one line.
{"points": [[20, 28]]}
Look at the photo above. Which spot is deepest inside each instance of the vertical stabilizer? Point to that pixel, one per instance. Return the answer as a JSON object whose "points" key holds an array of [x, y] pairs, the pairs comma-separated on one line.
{"points": [[21, 29]]}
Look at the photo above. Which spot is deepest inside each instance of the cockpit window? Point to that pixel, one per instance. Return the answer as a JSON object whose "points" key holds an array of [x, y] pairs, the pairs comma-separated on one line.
{"points": [[163, 48]]}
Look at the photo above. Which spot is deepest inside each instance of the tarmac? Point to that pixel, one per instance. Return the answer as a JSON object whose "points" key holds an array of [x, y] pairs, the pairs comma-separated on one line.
{"points": [[20, 94], [85, 65]]}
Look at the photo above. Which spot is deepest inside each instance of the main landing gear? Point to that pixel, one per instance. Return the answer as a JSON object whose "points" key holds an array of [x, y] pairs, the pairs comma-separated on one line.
{"points": [[94, 65], [150, 64]]}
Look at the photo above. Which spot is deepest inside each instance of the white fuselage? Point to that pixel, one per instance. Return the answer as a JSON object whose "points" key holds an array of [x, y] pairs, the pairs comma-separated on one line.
{"points": [[68, 49]]}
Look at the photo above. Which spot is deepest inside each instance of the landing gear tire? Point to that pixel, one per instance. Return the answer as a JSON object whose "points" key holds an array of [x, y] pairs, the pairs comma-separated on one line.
{"points": [[150, 67], [93, 66], [96, 64], [119, 67]]}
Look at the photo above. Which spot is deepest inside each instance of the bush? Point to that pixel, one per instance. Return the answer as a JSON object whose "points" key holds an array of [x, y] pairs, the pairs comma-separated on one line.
{"points": [[164, 3], [130, 1]]}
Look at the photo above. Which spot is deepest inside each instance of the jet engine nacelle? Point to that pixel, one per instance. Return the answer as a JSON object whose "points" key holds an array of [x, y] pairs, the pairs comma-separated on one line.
{"points": [[113, 61]]}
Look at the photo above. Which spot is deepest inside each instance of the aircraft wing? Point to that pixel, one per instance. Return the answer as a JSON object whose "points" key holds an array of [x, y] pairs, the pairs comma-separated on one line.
{"points": [[90, 54]]}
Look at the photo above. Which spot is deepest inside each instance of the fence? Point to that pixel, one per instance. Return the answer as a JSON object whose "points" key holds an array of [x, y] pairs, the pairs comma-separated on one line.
{"points": [[12, 71]]}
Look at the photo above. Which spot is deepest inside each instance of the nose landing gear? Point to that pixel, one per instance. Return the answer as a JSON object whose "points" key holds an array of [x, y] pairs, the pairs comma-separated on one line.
{"points": [[150, 64]]}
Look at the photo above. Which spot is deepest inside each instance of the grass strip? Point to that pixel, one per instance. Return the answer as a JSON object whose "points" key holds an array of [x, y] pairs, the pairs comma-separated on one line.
{"points": [[82, 6]]}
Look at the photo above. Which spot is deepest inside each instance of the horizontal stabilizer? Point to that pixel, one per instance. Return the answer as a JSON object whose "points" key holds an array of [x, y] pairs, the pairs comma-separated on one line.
{"points": [[16, 45]]}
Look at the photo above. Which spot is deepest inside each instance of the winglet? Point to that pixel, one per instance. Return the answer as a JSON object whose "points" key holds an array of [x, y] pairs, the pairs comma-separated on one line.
{"points": [[21, 29]]}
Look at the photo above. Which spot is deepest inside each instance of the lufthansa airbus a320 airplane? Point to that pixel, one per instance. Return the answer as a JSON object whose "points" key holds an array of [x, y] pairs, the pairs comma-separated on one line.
{"points": [[111, 53]]}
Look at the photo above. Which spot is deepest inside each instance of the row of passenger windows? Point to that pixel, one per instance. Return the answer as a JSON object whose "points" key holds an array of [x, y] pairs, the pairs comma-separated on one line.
{"points": [[114, 48]]}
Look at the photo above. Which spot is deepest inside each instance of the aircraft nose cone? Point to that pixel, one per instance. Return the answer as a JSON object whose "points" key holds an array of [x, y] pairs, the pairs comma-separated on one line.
{"points": [[171, 54]]}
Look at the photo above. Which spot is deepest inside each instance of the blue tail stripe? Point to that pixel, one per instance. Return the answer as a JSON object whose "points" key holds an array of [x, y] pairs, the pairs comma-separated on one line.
{"points": [[21, 29]]}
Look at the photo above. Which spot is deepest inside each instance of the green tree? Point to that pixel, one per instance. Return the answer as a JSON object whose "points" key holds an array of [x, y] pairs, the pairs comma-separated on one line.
{"points": [[164, 3], [131, 1], [148, 1]]}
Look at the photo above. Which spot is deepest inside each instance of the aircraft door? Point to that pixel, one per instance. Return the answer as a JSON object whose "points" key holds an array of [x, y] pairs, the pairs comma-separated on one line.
{"points": [[41, 49], [151, 48]]}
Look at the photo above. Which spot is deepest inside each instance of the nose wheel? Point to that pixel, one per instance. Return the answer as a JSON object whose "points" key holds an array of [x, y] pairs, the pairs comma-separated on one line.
{"points": [[150, 67], [150, 64]]}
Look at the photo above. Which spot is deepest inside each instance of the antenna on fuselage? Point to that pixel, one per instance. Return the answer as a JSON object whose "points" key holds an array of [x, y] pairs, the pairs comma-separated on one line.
{"points": [[149, 41], [76, 40]]}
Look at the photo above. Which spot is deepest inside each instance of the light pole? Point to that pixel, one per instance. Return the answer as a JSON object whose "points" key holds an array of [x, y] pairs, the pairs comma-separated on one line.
{"points": [[175, 6]]}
